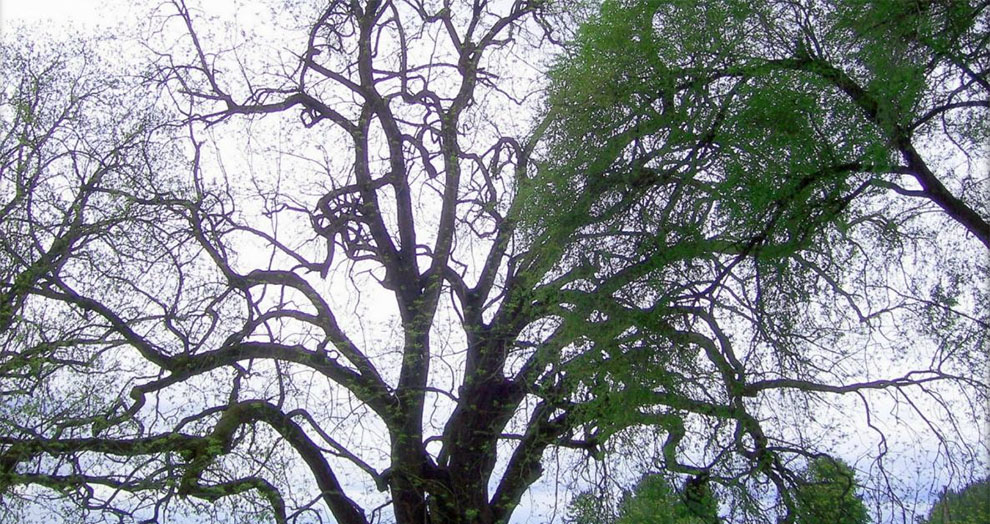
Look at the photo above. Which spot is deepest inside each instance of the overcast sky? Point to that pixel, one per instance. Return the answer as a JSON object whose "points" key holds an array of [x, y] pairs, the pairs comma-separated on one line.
{"points": [[32, 10]]}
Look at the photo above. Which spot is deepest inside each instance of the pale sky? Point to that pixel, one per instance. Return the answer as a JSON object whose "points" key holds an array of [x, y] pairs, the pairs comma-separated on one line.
{"points": [[48, 9], [78, 12]]}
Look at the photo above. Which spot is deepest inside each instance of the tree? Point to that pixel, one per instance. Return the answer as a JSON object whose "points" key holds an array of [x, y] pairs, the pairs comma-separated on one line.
{"points": [[654, 501], [651, 253], [970, 505], [651, 501], [753, 160], [828, 494], [78, 149], [587, 508]]}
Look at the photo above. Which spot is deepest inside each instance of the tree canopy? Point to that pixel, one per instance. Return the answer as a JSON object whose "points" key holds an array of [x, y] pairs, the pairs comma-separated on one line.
{"points": [[829, 494], [375, 261], [826, 494], [651, 501], [969, 505]]}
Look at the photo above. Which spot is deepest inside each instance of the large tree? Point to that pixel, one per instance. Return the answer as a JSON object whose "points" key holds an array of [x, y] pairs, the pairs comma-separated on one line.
{"points": [[799, 190], [388, 278]]}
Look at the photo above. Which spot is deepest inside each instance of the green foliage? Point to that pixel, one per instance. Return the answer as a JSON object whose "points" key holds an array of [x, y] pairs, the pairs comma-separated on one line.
{"points": [[970, 505], [781, 127], [762, 160], [586, 508], [827, 495], [652, 501]]}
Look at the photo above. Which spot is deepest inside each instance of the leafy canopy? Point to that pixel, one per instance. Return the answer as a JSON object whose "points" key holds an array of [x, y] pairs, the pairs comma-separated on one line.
{"points": [[651, 501], [828, 494], [969, 505]]}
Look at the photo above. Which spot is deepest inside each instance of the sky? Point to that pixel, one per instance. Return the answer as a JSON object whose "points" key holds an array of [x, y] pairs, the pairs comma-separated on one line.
{"points": [[80, 11]]}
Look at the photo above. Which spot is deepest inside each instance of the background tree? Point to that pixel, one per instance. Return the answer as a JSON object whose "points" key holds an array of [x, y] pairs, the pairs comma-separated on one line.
{"points": [[588, 508], [829, 494], [969, 505], [651, 501], [372, 295]]}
